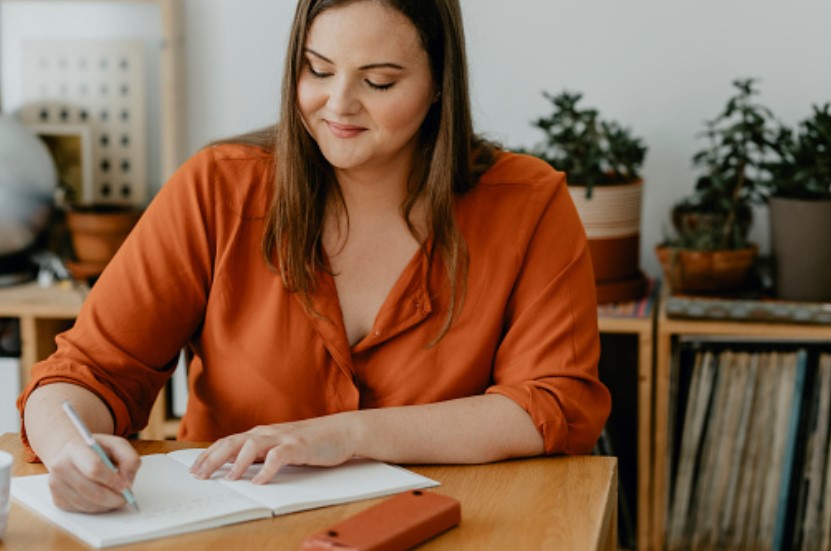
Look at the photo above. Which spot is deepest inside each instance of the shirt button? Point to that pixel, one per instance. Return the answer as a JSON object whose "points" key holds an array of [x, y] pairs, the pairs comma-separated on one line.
{"points": [[377, 332]]}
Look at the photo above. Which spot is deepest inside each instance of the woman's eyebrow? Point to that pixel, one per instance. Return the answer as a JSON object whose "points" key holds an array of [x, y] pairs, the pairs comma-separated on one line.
{"points": [[380, 65]]}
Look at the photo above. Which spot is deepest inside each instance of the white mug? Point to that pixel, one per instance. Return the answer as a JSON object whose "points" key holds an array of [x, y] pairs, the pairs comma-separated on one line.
{"points": [[5, 485]]}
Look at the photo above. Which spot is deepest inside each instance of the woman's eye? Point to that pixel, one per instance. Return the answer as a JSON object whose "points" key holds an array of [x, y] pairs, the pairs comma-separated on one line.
{"points": [[375, 86], [318, 74]]}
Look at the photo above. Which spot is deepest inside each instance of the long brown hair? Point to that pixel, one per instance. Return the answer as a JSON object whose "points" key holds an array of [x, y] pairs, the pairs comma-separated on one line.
{"points": [[450, 156]]}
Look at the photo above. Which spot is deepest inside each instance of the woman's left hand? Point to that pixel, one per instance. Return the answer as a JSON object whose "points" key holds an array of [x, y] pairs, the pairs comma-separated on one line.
{"points": [[323, 441]]}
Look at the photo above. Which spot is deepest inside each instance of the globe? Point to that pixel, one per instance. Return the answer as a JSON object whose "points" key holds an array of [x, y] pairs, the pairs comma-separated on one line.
{"points": [[28, 179]]}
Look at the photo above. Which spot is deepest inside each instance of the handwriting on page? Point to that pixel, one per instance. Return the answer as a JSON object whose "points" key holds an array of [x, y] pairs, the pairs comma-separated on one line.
{"points": [[152, 512]]}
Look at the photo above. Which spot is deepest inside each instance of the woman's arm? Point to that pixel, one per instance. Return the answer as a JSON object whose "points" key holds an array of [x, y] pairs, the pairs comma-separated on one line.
{"points": [[79, 480], [477, 429]]}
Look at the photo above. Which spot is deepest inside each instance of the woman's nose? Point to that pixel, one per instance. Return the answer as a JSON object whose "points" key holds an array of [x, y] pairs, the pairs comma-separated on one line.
{"points": [[343, 98]]}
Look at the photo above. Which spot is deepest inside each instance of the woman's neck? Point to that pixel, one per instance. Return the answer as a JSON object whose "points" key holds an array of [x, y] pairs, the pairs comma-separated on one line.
{"points": [[373, 192], [371, 204]]}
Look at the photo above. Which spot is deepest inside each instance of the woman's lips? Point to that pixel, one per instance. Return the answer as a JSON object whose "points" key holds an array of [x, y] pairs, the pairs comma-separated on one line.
{"points": [[344, 130]]}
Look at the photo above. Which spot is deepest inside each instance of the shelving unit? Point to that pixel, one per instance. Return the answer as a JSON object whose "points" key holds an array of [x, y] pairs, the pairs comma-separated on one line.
{"points": [[44, 312], [641, 328], [668, 331]]}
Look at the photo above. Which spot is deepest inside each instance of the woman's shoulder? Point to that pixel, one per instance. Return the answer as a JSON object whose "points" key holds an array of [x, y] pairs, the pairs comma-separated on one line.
{"points": [[521, 170], [513, 181], [514, 193], [239, 175]]}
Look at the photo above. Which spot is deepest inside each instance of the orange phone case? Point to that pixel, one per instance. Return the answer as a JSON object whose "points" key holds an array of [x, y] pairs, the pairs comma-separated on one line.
{"points": [[400, 522]]}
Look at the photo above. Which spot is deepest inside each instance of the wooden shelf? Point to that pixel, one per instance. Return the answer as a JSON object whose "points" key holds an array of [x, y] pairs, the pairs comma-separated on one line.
{"points": [[668, 330], [642, 328], [43, 313]]}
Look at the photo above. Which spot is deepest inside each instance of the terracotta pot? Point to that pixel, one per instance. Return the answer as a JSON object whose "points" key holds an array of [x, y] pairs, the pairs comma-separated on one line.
{"points": [[688, 221], [706, 271], [97, 232], [801, 245], [612, 220], [621, 290], [615, 258]]}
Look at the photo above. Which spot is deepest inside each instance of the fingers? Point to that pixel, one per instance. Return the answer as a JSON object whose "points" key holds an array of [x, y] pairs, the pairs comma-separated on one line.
{"points": [[73, 491], [247, 455], [274, 461], [123, 456], [79, 481], [321, 441], [215, 456]]}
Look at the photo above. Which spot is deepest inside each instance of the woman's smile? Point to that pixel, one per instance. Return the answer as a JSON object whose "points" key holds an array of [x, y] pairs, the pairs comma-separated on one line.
{"points": [[344, 130]]}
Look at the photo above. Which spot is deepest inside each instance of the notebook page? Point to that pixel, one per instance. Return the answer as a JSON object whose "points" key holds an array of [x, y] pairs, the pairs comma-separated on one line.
{"points": [[171, 501], [298, 488]]}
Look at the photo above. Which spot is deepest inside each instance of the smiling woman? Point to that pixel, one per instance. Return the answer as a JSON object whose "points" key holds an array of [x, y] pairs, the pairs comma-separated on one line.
{"points": [[363, 96], [335, 282]]}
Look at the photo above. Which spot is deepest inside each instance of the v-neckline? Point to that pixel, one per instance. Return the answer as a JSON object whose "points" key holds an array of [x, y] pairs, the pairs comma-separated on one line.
{"points": [[407, 304]]}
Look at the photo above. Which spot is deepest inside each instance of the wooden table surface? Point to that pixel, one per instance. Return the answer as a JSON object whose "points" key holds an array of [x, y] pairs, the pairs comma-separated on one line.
{"points": [[566, 503]]}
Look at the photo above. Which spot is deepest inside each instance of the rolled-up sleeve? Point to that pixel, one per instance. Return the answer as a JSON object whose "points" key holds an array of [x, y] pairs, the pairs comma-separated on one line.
{"points": [[147, 303], [547, 359]]}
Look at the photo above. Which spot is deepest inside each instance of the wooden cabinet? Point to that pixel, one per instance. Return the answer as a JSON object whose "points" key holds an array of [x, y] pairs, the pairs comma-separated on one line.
{"points": [[668, 332]]}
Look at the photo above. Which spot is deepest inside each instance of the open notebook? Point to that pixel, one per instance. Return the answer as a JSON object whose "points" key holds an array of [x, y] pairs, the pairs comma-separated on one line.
{"points": [[173, 502]]}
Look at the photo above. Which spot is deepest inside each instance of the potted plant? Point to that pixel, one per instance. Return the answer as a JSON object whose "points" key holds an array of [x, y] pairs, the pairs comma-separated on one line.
{"points": [[710, 251], [800, 210], [97, 231], [602, 161]]}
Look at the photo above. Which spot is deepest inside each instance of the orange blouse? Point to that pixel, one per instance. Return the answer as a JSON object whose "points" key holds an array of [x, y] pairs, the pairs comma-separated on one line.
{"points": [[192, 273]]}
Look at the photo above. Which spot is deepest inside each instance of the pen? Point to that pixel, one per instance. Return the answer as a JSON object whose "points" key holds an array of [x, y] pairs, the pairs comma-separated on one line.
{"points": [[96, 447]]}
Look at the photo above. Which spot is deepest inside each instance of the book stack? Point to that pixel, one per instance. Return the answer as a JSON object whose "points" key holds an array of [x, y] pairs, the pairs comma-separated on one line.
{"points": [[751, 467], [767, 310], [640, 308]]}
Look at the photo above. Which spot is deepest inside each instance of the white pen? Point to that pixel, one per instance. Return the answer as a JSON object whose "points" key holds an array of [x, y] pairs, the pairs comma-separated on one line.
{"points": [[96, 447]]}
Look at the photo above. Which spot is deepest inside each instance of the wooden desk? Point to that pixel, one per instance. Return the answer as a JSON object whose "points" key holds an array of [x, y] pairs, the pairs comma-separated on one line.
{"points": [[564, 503]]}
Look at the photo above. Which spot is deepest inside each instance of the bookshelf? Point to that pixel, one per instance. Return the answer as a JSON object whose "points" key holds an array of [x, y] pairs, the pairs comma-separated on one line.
{"points": [[669, 330]]}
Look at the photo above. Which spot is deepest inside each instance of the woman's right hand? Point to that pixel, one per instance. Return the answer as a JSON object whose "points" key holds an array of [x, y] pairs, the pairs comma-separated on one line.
{"points": [[81, 482]]}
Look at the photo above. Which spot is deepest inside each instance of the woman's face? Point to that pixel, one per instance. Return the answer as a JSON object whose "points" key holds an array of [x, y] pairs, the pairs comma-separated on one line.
{"points": [[366, 86]]}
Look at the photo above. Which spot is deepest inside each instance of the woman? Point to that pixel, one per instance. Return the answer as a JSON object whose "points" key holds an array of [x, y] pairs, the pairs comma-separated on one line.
{"points": [[421, 299]]}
